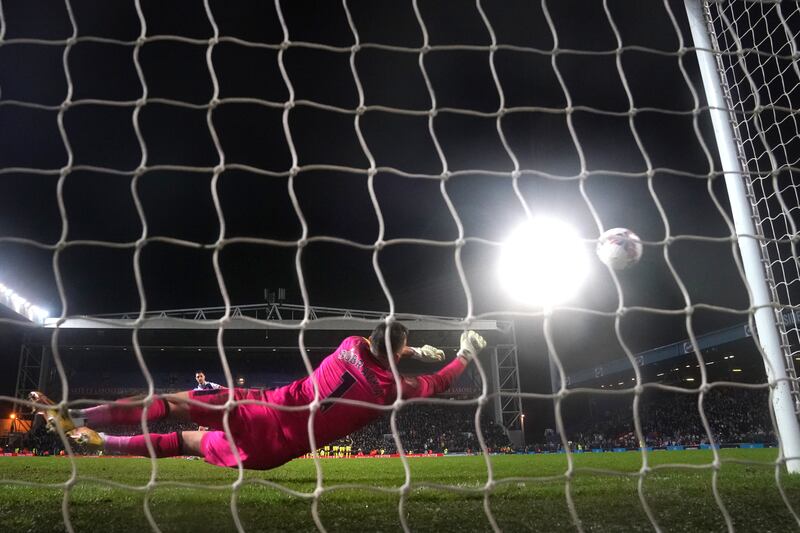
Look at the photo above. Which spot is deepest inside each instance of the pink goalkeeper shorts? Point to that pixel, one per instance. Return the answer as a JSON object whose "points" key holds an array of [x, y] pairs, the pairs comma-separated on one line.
{"points": [[256, 431]]}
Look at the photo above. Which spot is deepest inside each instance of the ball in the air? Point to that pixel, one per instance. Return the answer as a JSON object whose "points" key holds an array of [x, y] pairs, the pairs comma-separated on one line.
{"points": [[619, 248]]}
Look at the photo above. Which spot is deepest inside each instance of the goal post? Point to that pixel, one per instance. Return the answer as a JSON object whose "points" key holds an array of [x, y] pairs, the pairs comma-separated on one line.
{"points": [[754, 254]]}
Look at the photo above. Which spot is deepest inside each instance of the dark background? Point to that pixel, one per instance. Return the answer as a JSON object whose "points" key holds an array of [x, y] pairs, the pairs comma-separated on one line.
{"points": [[573, 161]]}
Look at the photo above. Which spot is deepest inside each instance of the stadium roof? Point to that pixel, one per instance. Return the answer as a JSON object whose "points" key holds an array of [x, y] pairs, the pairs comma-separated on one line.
{"points": [[248, 323], [270, 316]]}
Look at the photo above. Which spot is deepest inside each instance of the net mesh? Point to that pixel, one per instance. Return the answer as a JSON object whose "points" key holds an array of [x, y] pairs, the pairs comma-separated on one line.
{"points": [[761, 95], [763, 56]]}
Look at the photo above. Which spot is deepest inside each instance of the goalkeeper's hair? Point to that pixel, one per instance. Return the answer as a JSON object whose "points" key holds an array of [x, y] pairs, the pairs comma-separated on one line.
{"points": [[398, 333]]}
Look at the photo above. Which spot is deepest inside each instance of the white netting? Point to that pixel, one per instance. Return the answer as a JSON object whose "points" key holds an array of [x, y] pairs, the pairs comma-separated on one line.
{"points": [[774, 132], [763, 87]]}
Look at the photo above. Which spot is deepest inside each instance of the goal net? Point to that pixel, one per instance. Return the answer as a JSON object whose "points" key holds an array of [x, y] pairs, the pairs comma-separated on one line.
{"points": [[756, 61], [375, 155]]}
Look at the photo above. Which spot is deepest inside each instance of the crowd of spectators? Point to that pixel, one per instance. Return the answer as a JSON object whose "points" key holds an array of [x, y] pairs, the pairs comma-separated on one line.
{"points": [[37, 441], [735, 415], [430, 428]]}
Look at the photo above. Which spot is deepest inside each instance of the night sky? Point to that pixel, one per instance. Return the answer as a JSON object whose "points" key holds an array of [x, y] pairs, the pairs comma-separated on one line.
{"points": [[422, 278]]}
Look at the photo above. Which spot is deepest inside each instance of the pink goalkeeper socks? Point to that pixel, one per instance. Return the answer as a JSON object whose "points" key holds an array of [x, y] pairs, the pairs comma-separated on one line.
{"points": [[120, 414], [166, 445]]}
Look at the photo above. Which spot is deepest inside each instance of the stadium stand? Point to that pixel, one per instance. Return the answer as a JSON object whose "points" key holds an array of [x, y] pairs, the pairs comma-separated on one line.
{"points": [[735, 415]]}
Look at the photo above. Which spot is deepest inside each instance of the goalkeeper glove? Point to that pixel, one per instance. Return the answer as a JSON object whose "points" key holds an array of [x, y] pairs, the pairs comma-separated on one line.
{"points": [[471, 345], [427, 353]]}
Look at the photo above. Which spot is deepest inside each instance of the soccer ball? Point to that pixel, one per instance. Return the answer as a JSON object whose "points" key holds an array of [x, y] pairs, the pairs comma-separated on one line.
{"points": [[619, 248]]}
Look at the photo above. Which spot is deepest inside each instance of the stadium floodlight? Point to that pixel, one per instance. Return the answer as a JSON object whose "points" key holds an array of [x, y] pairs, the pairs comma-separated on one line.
{"points": [[543, 262], [11, 299], [39, 314]]}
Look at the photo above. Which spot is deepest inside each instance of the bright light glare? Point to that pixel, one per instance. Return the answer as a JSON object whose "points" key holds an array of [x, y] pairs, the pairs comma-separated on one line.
{"points": [[38, 312], [20, 305], [543, 263]]}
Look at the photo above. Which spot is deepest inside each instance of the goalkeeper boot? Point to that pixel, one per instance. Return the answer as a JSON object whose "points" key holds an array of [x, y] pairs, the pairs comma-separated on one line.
{"points": [[54, 416], [87, 437]]}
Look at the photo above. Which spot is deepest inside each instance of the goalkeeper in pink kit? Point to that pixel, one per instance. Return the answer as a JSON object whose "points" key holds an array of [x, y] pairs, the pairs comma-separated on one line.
{"points": [[266, 437]]}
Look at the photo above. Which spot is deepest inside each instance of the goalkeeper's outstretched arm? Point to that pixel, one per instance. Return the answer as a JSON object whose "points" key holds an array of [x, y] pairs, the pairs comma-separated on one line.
{"points": [[428, 385]]}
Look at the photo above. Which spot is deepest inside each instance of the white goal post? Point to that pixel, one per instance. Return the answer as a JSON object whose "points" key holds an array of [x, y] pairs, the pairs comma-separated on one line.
{"points": [[731, 119]]}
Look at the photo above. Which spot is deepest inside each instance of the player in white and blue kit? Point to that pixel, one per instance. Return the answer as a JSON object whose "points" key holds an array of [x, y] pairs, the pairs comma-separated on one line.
{"points": [[202, 384]]}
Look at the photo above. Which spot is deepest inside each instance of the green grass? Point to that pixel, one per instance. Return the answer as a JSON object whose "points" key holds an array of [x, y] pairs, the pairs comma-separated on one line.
{"points": [[681, 498]]}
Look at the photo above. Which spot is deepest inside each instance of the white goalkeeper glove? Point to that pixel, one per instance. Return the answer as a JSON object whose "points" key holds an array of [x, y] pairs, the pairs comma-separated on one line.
{"points": [[427, 353], [471, 345]]}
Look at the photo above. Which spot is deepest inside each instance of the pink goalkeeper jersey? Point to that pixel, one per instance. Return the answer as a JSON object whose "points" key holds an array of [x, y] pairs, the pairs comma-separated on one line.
{"points": [[352, 373]]}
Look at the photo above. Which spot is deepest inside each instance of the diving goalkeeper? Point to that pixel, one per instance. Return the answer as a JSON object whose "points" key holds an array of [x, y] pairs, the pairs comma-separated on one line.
{"points": [[266, 437]]}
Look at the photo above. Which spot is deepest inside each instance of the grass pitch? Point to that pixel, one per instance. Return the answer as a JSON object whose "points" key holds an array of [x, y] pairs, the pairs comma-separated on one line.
{"points": [[681, 498]]}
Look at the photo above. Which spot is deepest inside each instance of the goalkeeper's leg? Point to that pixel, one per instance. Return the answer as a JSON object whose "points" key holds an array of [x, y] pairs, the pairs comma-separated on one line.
{"points": [[164, 445], [121, 412], [171, 406], [128, 411]]}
